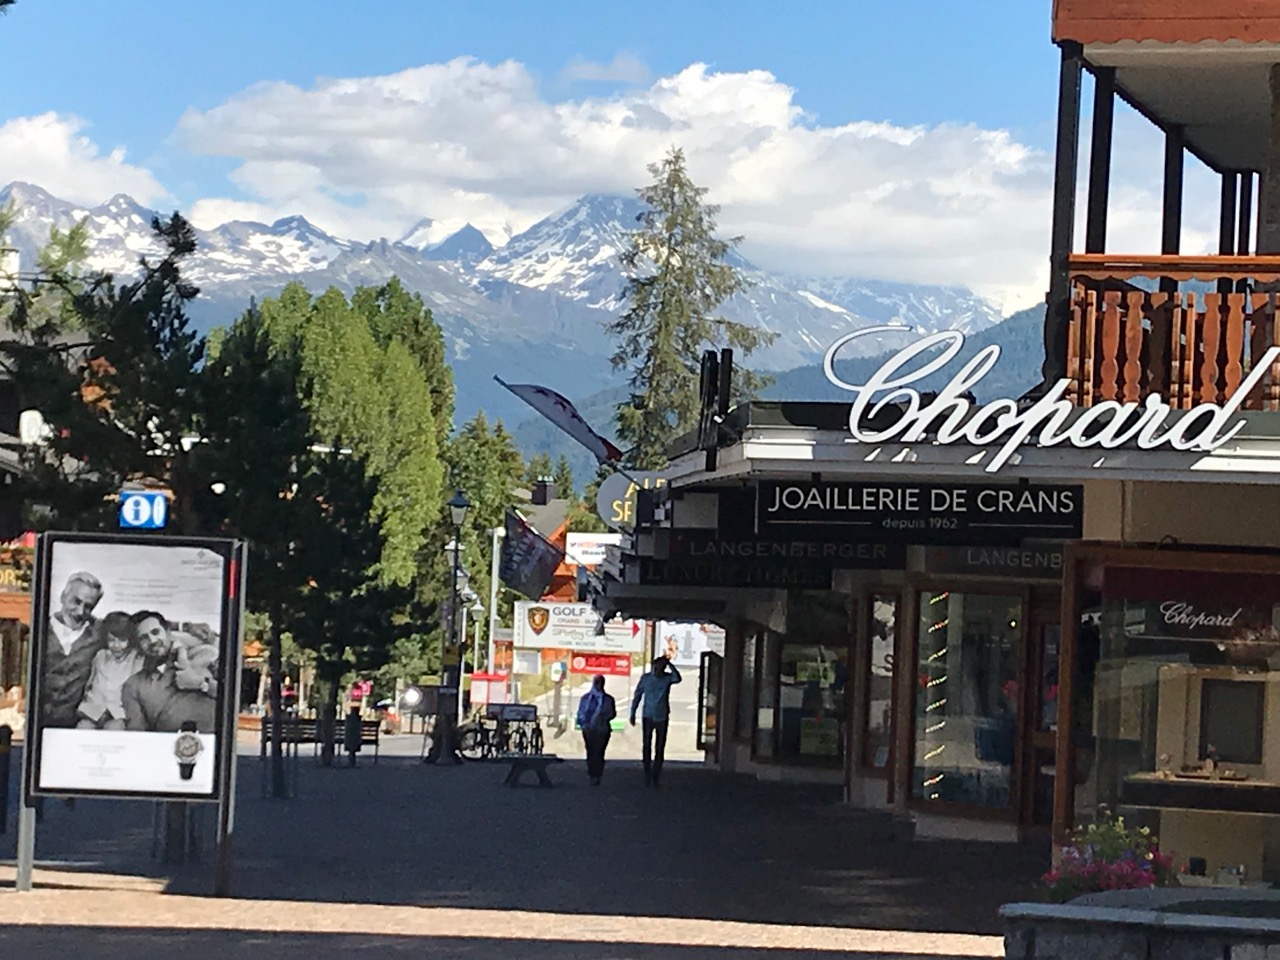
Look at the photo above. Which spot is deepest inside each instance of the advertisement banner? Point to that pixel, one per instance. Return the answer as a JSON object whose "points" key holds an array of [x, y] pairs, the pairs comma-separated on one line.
{"points": [[588, 549], [135, 662], [685, 643], [573, 625], [606, 664]]}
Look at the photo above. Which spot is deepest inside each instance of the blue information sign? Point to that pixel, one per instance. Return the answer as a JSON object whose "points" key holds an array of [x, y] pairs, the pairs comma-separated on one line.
{"points": [[143, 509]]}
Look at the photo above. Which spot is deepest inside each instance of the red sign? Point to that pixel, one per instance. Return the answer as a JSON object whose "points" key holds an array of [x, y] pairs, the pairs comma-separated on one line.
{"points": [[609, 664]]}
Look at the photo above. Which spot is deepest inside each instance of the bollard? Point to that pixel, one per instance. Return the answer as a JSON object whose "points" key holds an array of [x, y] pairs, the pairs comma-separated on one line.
{"points": [[6, 751]]}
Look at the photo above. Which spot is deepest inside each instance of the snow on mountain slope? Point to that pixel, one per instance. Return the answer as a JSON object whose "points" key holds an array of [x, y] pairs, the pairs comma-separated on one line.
{"points": [[545, 293]]}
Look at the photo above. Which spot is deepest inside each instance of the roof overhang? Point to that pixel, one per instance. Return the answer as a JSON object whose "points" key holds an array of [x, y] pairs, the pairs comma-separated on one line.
{"points": [[1217, 92], [1253, 457]]}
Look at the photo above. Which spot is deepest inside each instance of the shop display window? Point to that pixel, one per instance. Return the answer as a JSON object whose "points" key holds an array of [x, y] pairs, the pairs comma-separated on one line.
{"points": [[878, 715], [811, 705], [1185, 715], [966, 717]]}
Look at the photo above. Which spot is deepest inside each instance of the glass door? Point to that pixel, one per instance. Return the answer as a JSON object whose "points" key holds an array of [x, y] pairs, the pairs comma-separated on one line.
{"points": [[710, 678], [969, 654]]}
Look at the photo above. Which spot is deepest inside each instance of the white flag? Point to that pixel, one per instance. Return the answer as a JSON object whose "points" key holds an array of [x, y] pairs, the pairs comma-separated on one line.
{"points": [[565, 416]]}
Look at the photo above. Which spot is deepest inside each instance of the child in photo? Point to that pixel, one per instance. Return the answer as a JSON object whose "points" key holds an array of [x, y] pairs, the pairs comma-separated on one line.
{"points": [[102, 708]]}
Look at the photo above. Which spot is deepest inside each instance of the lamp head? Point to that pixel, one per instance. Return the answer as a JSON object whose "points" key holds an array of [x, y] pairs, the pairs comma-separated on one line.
{"points": [[458, 507]]}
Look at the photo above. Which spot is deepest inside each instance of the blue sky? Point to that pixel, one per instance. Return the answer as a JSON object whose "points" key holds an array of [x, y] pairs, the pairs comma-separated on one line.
{"points": [[931, 119]]}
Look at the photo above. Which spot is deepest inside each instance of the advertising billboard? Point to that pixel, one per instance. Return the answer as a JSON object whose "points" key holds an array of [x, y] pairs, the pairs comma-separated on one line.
{"points": [[135, 662], [575, 626]]}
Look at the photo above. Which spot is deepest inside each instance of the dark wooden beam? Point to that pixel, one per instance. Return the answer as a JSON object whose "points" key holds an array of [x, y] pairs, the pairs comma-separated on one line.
{"points": [[1227, 223], [1171, 208], [1104, 111], [1057, 319]]}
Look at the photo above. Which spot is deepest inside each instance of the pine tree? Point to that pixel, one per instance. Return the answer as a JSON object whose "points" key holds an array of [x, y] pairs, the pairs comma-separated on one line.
{"points": [[563, 477], [114, 370], [540, 468], [679, 276]]}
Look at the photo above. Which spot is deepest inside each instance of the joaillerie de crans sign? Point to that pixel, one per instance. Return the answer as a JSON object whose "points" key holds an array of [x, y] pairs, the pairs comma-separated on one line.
{"points": [[1051, 420]]}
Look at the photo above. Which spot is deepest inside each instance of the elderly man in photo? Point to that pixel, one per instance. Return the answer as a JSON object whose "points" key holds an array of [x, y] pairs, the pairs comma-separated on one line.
{"points": [[169, 690], [74, 640]]}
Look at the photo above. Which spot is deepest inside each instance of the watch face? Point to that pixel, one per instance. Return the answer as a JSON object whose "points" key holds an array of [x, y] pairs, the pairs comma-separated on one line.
{"points": [[188, 746]]}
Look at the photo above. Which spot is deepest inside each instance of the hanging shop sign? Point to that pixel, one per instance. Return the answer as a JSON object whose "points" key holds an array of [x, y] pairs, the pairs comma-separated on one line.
{"points": [[1043, 562], [951, 416], [710, 547], [718, 572], [921, 513], [618, 501]]}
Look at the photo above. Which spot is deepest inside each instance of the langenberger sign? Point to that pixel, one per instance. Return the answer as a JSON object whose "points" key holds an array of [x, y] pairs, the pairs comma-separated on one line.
{"points": [[1108, 424]]}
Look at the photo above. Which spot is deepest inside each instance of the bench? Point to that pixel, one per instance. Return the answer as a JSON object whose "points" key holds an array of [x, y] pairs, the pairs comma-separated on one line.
{"points": [[299, 731], [538, 763]]}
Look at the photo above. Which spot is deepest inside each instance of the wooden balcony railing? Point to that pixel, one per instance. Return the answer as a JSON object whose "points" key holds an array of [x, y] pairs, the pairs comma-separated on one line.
{"points": [[1126, 343]]}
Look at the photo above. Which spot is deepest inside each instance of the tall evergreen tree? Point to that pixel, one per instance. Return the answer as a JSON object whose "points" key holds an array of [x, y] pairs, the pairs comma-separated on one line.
{"points": [[563, 478], [540, 467], [679, 276]]}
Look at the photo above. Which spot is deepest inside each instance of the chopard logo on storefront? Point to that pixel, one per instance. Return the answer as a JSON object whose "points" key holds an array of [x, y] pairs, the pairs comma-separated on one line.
{"points": [[954, 419], [1185, 615]]}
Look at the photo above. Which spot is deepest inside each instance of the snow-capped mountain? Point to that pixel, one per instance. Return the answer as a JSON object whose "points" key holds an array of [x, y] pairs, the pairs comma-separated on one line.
{"points": [[530, 309]]}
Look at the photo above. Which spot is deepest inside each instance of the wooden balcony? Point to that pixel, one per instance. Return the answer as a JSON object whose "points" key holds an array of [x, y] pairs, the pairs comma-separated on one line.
{"points": [[1126, 343]]}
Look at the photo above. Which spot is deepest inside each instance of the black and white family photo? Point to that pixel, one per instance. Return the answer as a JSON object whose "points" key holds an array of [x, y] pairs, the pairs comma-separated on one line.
{"points": [[152, 665]]}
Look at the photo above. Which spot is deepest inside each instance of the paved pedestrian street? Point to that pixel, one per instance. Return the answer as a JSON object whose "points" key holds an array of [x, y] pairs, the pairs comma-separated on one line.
{"points": [[402, 858]]}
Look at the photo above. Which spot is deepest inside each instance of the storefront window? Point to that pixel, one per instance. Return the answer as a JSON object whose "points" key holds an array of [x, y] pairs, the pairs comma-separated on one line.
{"points": [[747, 688], [1186, 715], [879, 703], [767, 708], [811, 705], [966, 698]]}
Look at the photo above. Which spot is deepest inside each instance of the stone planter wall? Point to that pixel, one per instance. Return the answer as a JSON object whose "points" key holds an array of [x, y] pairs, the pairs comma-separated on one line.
{"points": [[1036, 931]]}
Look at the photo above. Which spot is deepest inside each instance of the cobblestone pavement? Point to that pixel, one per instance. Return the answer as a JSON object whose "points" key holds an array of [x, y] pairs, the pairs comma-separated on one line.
{"points": [[399, 857]]}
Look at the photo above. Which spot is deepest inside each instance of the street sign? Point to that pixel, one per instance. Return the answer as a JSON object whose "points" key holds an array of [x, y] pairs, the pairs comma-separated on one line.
{"points": [[143, 509]]}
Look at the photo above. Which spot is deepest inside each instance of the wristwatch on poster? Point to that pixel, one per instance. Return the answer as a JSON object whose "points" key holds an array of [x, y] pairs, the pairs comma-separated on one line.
{"points": [[187, 749]]}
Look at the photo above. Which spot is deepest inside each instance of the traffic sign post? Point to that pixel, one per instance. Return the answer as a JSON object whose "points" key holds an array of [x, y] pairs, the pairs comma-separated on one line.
{"points": [[144, 509]]}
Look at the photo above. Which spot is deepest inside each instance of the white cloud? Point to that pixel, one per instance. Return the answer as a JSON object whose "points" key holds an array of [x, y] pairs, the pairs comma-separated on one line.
{"points": [[623, 68], [51, 150], [466, 140]]}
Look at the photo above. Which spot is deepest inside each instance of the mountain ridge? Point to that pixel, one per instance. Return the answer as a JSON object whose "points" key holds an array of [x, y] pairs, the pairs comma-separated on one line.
{"points": [[532, 308]]}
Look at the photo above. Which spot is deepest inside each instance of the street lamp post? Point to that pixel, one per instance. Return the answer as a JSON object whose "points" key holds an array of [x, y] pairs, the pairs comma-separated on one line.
{"points": [[477, 610], [444, 748], [494, 576]]}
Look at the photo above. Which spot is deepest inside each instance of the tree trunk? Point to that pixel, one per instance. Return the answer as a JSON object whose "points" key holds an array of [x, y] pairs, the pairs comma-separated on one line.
{"points": [[275, 663], [328, 726]]}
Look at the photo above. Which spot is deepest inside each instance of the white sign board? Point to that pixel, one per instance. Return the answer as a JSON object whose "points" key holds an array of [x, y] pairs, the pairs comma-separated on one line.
{"points": [[588, 549], [685, 643], [572, 626]]}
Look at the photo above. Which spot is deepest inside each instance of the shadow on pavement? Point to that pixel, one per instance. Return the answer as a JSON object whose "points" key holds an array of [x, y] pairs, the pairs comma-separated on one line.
{"points": [[705, 845], [158, 943]]}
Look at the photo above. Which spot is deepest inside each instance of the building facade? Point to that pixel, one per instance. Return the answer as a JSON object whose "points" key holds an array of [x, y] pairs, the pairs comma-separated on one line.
{"points": [[999, 619]]}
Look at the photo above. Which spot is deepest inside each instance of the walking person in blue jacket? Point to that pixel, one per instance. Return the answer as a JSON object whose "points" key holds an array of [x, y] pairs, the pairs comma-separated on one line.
{"points": [[595, 710], [655, 689]]}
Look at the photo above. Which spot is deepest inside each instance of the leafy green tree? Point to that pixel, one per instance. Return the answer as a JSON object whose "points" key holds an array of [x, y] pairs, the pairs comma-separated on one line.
{"points": [[373, 398], [393, 313], [679, 276], [563, 478], [484, 463]]}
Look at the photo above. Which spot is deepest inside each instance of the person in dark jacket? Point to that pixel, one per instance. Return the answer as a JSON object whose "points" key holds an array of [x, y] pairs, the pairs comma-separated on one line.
{"points": [[596, 710], [351, 735]]}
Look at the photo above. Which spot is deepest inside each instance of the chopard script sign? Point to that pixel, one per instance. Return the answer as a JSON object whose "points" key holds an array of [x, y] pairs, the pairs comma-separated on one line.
{"points": [[953, 419]]}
